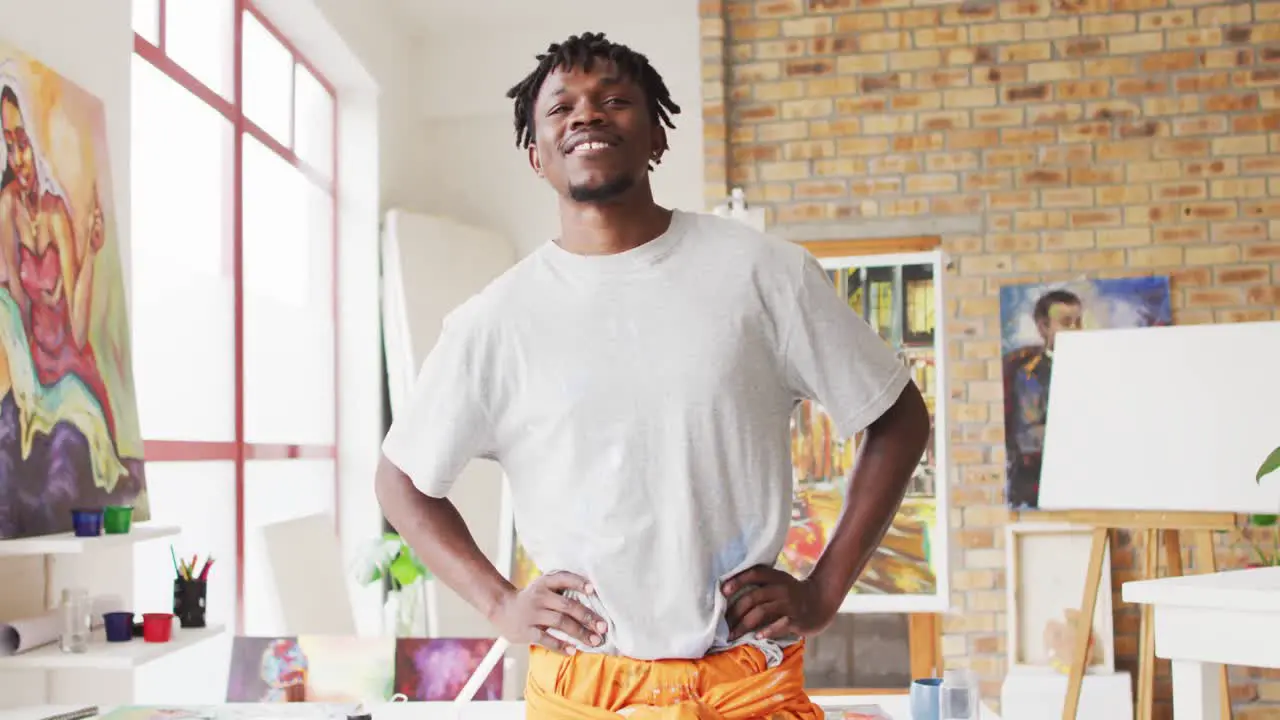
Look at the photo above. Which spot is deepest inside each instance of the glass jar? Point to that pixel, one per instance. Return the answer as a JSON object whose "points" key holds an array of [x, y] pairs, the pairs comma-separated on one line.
{"points": [[76, 621], [959, 696]]}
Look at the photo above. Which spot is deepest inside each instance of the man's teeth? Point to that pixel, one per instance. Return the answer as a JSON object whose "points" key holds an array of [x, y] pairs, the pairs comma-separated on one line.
{"points": [[591, 146]]}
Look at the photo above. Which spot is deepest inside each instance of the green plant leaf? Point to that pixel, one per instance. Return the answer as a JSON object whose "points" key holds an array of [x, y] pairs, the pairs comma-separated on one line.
{"points": [[1270, 465], [1263, 520], [404, 570]]}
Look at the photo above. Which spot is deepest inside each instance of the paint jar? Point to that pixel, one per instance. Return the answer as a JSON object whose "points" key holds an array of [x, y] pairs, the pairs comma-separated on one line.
{"points": [[117, 519], [119, 626], [157, 627], [76, 622], [87, 523]]}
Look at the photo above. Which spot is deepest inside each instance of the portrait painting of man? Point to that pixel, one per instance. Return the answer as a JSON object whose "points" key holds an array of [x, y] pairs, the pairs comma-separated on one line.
{"points": [[1032, 316]]}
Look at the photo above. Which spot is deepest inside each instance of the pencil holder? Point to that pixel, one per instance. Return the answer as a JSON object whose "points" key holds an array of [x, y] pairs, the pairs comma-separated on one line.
{"points": [[188, 602]]}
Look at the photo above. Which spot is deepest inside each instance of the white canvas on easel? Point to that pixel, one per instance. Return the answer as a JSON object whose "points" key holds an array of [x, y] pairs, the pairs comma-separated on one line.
{"points": [[1163, 419], [1159, 430]]}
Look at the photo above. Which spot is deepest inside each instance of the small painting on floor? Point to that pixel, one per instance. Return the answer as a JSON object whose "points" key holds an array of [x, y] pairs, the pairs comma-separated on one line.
{"points": [[267, 670]]}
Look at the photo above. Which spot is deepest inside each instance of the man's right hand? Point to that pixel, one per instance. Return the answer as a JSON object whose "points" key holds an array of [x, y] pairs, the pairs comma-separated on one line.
{"points": [[526, 616]]}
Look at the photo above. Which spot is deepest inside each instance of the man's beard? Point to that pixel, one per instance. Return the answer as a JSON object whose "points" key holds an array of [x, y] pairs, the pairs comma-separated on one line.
{"points": [[604, 192]]}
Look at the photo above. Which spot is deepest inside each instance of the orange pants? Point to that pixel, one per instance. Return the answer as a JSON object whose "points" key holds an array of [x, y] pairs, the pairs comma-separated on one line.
{"points": [[733, 685]]}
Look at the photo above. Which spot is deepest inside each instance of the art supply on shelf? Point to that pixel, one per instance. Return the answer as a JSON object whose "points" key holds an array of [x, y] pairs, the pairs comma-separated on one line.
{"points": [[187, 569], [189, 601], [925, 700], [959, 696], [76, 621], [119, 626], [117, 519], [157, 627], [87, 523], [22, 635]]}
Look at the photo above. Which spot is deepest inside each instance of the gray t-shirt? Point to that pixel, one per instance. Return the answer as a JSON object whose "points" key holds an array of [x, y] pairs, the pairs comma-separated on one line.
{"points": [[639, 404]]}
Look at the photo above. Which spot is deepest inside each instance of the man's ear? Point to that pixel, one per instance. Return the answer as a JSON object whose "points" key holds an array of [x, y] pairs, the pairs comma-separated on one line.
{"points": [[657, 144], [535, 162]]}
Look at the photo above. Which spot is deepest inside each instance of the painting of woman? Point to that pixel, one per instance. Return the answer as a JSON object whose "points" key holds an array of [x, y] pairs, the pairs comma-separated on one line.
{"points": [[59, 434]]}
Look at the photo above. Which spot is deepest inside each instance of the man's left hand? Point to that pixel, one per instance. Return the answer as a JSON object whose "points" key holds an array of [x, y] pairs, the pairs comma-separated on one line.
{"points": [[775, 606]]}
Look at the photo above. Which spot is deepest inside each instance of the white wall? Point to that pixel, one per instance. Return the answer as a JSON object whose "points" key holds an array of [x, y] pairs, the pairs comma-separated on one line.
{"points": [[384, 46], [471, 168]]}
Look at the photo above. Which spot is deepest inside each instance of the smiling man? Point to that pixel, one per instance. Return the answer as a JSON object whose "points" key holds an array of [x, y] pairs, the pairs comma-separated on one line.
{"points": [[635, 378]]}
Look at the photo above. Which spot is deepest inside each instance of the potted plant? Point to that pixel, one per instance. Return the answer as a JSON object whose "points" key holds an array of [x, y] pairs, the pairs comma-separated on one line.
{"points": [[1272, 557], [391, 561]]}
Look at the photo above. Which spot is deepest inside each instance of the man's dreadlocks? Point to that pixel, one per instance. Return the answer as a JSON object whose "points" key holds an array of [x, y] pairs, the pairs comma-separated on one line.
{"points": [[582, 52]]}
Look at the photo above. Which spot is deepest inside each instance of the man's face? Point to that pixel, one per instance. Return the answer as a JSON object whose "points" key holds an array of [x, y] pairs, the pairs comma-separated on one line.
{"points": [[1062, 317], [593, 139], [17, 145]]}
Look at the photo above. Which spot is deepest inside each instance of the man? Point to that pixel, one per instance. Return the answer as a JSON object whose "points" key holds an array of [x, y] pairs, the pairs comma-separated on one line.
{"points": [[635, 379], [1026, 396]]}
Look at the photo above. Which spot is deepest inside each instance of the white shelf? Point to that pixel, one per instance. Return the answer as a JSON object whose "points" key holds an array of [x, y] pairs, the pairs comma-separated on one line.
{"points": [[103, 655], [68, 544]]}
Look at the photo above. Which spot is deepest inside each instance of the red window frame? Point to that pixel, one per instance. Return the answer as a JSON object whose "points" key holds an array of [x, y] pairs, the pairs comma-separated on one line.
{"points": [[239, 450]]}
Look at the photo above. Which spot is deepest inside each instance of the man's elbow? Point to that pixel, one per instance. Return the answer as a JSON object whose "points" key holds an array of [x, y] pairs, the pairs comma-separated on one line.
{"points": [[390, 484]]}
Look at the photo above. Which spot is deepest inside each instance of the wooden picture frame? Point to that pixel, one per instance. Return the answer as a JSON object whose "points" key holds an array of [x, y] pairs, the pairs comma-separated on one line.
{"points": [[1047, 564]]}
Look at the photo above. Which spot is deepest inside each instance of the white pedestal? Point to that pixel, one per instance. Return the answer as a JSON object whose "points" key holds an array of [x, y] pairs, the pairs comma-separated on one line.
{"points": [[1036, 696]]}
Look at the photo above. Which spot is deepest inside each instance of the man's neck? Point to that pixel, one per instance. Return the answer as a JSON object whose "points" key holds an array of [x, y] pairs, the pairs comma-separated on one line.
{"points": [[613, 227]]}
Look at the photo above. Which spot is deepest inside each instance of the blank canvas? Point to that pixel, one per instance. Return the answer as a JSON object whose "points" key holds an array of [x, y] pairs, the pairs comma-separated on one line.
{"points": [[1164, 419]]}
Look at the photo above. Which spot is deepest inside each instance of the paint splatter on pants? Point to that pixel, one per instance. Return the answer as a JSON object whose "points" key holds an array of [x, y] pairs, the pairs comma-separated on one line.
{"points": [[736, 684]]}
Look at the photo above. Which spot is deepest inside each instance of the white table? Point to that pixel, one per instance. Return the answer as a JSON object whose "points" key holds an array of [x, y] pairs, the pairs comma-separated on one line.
{"points": [[895, 705], [1205, 621]]}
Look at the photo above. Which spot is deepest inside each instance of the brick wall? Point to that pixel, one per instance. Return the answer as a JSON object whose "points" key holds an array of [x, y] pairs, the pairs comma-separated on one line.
{"points": [[1094, 137]]}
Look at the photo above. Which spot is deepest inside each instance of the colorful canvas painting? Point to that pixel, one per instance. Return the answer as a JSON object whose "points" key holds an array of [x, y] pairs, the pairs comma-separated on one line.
{"points": [[69, 434], [438, 668], [312, 669], [1030, 318], [897, 297], [349, 669], [267, 670]]}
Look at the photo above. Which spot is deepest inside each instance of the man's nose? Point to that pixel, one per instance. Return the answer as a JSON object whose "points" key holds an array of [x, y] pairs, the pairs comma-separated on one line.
{"points": [[586, 115]]}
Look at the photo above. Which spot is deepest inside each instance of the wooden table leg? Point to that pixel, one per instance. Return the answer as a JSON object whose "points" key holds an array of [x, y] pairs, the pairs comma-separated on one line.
{"points": [[1197, 692]]}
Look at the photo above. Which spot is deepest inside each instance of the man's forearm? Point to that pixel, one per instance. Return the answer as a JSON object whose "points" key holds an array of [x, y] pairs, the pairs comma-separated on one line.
{"points": [[438, 534], [889, 454]]}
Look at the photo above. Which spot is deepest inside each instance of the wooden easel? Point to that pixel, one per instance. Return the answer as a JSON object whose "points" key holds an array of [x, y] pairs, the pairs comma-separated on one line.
{"points": [[1158, 528]]}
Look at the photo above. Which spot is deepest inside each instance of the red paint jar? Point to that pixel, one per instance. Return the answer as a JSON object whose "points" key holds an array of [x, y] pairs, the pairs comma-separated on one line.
{"points": [[157, 627]]}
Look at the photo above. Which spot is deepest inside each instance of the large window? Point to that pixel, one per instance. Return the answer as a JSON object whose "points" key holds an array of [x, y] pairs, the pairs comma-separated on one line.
{"points": [[234, 297]]}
